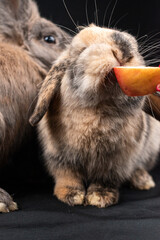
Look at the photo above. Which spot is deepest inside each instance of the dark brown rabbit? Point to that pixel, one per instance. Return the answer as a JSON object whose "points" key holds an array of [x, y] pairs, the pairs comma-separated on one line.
{"points": [[94, 137], [28, 46]]}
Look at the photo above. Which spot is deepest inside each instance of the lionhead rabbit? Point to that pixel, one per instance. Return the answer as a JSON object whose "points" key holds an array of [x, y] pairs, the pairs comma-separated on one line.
{"points": [[28, 46], [93, 136]]}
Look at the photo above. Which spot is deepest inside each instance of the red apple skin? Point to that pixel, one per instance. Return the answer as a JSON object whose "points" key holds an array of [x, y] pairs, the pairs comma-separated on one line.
{"points": [[138, 81]]}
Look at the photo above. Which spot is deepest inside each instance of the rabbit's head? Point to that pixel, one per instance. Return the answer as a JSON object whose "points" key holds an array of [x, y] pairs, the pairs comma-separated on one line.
{"points": [[22, 25], [86, 71]]}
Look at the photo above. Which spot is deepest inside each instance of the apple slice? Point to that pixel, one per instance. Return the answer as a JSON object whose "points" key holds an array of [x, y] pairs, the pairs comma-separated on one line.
{"points": [[138, 81]]}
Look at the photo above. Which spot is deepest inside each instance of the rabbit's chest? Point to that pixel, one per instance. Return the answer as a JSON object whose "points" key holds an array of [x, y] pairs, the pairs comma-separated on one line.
{"points": [[93, 134], [96, 146], [97, 155]]}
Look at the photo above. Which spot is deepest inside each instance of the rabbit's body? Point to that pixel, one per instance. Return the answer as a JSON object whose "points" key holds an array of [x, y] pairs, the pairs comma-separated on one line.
{"points": [[28, 46], [19, 79], [87, 141], [92, 132]]}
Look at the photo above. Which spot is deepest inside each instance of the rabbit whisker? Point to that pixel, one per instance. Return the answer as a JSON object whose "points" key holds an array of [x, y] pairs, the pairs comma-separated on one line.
{"points": [[86, 11], [66, 28], [105, 13], [158, 110], [122, 17], [69, 14], [28, 112], [110, 19], [150, 106], [96, 13]]}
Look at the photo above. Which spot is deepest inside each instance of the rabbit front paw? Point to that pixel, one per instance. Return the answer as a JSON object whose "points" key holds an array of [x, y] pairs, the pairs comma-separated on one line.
{"points": [[100, 196], [70, 195]]}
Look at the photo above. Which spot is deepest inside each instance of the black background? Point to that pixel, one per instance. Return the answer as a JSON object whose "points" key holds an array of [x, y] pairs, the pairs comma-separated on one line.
{"points": [[42, 216], [139, 17]]}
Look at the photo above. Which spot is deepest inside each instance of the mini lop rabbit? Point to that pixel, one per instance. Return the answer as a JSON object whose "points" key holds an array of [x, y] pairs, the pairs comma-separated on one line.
{"points": [[93, 136], [28, 46]]}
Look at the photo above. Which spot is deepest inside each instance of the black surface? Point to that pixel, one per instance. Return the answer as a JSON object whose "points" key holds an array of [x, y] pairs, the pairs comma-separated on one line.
{"points": [[42, 216]]}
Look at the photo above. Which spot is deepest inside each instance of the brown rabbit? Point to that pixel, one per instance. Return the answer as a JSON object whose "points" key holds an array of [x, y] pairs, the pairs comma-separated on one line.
{"points": [[28, 46], [93, 136]]}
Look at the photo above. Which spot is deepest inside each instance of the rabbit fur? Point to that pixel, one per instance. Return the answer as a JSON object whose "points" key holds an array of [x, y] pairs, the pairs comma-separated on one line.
{"points": [[94, 138]]}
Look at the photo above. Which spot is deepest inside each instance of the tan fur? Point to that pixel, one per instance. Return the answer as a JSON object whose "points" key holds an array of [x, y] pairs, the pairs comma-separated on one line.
{"points": [[23, 74], [53, 79], [101, 197], [142, 180], [68, 187], [91, 129]]}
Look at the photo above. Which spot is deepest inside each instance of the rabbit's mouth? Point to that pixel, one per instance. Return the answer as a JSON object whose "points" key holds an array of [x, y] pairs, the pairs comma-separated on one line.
{"points": [[110, 78], [110, 84]]}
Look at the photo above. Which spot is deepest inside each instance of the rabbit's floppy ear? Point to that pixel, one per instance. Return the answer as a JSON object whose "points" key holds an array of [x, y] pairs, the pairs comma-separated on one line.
{"points": [[48, 89]]}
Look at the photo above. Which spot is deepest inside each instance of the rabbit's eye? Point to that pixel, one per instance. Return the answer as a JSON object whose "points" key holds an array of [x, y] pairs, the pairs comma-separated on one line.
{"points": [[49, 39]]}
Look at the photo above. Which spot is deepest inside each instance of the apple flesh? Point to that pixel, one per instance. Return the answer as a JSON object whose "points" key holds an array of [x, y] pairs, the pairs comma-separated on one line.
{"points": [[138, 81]]}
